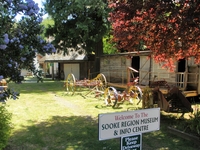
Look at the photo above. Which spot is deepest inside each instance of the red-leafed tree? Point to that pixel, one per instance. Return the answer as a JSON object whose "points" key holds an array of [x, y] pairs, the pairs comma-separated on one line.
{"points": [[169, 28]]}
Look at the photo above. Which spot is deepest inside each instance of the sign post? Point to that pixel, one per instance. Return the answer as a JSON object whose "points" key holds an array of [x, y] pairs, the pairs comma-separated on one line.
{"points": [[120, 124]]}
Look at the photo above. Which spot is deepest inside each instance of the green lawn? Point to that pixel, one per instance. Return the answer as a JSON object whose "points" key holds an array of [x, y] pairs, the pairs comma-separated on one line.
{"points": [[45, 118]]}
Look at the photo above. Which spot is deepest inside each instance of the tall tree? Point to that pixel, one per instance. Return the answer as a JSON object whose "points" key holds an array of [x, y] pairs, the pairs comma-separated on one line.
{"points": [[78, 22], [20, 40], [169, 28]]}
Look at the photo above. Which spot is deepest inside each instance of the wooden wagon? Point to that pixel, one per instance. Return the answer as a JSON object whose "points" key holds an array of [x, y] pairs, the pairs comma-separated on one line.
{"points": [[98, 84]]}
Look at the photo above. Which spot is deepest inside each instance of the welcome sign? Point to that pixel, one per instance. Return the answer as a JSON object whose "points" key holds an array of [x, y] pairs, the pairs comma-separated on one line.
{"points": [[114, 125]]}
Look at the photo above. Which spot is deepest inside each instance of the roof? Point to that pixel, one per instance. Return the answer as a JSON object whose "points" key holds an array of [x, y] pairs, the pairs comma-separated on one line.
{"points": [[136, 53], [61, 57]]}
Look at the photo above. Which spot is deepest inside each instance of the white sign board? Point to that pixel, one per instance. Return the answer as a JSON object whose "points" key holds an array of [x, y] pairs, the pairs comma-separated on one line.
{"points": [[114, 125]]}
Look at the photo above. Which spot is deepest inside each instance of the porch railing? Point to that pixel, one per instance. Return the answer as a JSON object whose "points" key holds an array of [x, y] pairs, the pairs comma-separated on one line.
{"points": [[178, 79]]}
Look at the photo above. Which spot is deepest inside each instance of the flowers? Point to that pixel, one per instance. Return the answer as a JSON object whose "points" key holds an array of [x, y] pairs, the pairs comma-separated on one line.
{"points": [[49, 47], [3, 46], [1, 77], [5, 42], [20, 40]]}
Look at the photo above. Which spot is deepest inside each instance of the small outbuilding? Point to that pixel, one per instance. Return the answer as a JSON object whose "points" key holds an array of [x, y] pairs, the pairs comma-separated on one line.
{"points": [[185, 76], [59, 65]]}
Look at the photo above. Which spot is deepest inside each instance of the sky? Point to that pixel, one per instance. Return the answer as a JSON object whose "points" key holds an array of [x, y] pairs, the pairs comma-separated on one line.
{"points": [[39, 2], [40, 5]]}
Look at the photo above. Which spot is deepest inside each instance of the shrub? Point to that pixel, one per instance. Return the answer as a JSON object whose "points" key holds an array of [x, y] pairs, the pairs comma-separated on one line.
{"points": [[194, 123], [5, 126]]}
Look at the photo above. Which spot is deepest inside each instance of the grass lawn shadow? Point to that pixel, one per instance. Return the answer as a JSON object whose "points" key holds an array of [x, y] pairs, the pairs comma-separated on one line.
{"points": [[46, 86], [60, 133], [81, 133]]}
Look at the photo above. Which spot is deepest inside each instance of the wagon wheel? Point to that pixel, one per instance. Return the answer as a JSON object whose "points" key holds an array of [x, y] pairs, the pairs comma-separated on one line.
{"points": [[110, 96], [99, 85], [70, 84], [101, 82], [135, 93]]}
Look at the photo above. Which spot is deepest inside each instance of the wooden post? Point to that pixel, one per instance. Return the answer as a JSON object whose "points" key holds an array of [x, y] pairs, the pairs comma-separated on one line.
{"points": [[129, 69], [89, 74], [128, 75], [53, 71]]}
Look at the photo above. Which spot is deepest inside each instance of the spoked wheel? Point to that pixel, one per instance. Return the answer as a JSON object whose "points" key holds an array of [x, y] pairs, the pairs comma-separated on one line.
{"points": [[135, 93], [70, 84], [111, 96], [101, 82]]}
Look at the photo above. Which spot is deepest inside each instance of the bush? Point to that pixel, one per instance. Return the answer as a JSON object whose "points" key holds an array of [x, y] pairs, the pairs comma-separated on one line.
{"points": [[195, 122], [5, 126]]}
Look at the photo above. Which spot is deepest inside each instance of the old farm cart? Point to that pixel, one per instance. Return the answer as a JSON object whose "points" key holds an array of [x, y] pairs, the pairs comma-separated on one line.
{"points": [[97, 84], [130, 90]]}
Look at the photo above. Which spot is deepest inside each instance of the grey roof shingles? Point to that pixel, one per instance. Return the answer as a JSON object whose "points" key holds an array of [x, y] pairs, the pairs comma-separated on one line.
{"points": [[60, 57]]}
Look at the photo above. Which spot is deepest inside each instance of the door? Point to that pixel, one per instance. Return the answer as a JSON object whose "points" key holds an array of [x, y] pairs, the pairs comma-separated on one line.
{"points": [[73, 68], [144, 70], [136, 62], [181, 76]]}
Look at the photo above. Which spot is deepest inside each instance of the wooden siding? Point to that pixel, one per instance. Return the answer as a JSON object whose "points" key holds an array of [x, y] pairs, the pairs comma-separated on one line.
{"points": [[114, 68]]}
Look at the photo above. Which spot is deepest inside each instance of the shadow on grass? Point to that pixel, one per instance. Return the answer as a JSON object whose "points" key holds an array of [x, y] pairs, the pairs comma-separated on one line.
{"points": [[34, 87], [61, 133], [81, 133], [46, 86], [164, 140]]}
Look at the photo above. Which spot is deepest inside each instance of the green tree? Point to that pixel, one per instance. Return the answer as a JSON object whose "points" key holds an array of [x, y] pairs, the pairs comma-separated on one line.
{"points": [[78, 23], [46, 23], [109, 47]]}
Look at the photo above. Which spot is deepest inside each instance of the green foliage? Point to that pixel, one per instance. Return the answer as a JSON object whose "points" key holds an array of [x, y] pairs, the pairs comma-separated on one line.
{"points": [[5, 126], [194, 123], [147, 98], [108, 45], [8, 94], [77, 22], [48, 22]]}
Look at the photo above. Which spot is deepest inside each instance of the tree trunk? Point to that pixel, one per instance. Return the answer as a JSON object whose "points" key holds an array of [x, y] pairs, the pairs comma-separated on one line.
{"points": [[98, 53]]}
